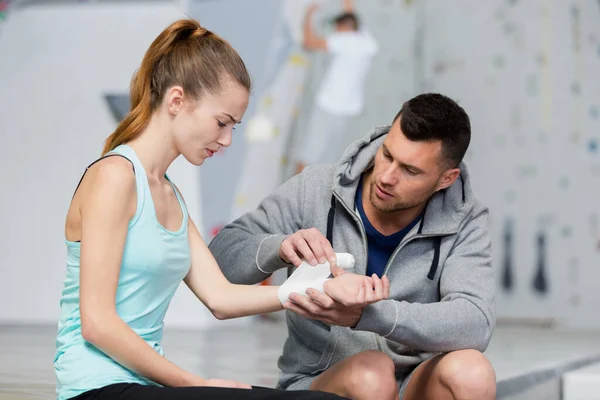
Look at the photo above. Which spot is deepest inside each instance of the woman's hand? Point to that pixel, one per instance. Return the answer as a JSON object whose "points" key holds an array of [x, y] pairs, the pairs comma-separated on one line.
{"points": [[353, 290], [226, 384]]}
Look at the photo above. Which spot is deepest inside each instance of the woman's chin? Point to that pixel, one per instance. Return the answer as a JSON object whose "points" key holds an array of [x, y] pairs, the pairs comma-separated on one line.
{"points": [[195, 160]]}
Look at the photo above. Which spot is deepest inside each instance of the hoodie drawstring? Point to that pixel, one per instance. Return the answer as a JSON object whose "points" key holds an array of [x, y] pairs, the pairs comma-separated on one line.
{"points": [[330, 217], [436, 258], [438, 240]]}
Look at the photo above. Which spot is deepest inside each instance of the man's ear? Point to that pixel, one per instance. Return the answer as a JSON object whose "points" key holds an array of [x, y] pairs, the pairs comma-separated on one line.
{"points": [[448, 178]]}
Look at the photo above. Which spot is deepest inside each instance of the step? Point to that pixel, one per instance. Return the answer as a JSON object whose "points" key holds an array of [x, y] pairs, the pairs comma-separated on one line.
{"points": [[530, 362], [582, 384]]}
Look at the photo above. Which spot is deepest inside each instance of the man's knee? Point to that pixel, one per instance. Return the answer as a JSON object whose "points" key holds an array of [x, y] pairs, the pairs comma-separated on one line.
{"points": [[468, 374], [374, 372]]}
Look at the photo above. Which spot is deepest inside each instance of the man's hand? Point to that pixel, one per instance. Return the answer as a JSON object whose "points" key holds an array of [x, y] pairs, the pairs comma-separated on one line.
{"points": [[312, 41], [351, 293], [348, 5], [312, 8], [312, 308], [307, 244]]}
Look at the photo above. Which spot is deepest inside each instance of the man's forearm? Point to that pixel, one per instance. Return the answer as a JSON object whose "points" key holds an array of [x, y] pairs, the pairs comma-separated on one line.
{"points": [[348, 5], [246, 258], [436, 327], [308, 32]]}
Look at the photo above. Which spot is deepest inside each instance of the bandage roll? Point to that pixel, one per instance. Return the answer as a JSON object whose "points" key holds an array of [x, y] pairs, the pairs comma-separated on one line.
{"points": [[344, 260]]}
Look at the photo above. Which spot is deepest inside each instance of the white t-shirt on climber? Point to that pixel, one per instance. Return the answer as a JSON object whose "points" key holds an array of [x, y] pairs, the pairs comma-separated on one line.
{"points": [[342, 90]]}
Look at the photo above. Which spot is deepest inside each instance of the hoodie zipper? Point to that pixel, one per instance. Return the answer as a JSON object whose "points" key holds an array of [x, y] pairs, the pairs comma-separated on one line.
{"points": [[360, 223], [364, 238], [402, 244]]}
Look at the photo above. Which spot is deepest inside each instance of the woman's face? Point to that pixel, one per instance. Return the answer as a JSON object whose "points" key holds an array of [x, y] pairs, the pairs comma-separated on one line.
{"points": [[205, 125]]}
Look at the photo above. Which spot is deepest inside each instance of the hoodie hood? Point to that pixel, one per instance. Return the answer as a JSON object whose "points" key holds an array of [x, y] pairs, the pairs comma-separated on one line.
{"points": [[445, 210]]}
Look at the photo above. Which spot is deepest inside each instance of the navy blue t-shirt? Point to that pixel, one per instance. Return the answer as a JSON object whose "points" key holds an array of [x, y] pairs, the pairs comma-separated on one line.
{"points": [[380, 247]]}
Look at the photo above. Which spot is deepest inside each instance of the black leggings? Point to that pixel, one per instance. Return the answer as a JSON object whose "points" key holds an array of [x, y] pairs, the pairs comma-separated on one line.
{"points": [[134, 391]]}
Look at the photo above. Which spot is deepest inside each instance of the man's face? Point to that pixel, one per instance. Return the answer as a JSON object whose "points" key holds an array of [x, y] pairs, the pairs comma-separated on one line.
{"points": [[344, 27], [407, 173]]}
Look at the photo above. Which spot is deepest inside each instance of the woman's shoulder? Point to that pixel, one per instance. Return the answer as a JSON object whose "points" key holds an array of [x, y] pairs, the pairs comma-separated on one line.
{"points": [[113, 168], [111, 177]]}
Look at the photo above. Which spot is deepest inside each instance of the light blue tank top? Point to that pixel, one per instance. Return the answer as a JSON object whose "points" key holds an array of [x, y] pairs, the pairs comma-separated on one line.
{"points": [[155, 261]]}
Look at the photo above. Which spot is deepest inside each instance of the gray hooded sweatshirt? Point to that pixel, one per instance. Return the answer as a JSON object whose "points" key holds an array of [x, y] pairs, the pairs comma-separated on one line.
{"points": [[441, 277]]}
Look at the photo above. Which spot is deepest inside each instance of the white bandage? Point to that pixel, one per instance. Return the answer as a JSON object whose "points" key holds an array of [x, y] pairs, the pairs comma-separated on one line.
{"points": [[307, 276]]}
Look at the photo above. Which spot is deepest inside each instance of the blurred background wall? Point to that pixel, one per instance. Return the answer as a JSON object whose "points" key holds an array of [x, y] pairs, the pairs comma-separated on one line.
{"points": [[525, 70]]}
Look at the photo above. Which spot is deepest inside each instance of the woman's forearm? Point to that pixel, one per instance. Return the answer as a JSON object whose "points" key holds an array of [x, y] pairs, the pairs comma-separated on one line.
{"points": [[244, 300], [116, 339]]}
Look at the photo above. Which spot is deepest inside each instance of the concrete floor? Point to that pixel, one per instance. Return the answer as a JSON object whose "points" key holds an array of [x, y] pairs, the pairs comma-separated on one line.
{"points": [[521, 356]]}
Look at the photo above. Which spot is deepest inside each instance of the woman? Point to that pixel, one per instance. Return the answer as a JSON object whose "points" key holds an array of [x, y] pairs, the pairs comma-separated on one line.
{"points": [[131, 242]]}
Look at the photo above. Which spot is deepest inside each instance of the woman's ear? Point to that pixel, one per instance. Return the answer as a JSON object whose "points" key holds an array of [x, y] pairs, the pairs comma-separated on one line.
{"points": [[174, 99]]}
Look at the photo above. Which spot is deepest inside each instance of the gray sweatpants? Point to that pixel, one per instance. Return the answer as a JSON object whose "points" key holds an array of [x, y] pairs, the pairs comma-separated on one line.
{"points": [[320, 142]]}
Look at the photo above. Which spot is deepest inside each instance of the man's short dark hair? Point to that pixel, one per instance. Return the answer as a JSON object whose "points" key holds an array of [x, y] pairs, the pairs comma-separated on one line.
{"points": [[347, 18], [432, 117]]}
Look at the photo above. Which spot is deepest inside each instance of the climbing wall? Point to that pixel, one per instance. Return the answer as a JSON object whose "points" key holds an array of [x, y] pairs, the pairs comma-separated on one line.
{"points": [[395, 74], [268, 131], [526, 71], [4, 5], [262, 155]]}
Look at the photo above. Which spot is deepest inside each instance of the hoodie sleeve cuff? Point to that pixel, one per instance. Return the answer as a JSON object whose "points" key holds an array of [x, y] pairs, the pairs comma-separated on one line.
{"points": [[267, 256], [380, 318]]}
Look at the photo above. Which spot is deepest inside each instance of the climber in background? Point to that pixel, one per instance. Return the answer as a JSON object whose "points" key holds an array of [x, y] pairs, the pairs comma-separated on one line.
{"points": [[341, 93]]}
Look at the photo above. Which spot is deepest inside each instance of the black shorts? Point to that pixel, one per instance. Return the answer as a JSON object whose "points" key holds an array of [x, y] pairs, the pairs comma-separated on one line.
{"points": [[135, 391]]}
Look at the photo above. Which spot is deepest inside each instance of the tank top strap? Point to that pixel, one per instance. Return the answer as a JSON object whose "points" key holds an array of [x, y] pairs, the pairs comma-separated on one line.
{"points": [[141, 180], [184, 209], [109, 154]]}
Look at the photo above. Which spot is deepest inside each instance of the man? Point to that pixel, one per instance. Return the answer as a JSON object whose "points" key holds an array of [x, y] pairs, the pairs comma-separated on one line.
{"points": [[400, 201], [341, 93]]}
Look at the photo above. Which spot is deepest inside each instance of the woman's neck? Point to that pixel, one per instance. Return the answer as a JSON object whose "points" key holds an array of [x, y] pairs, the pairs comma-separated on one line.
{"points": [[154, 147]]}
